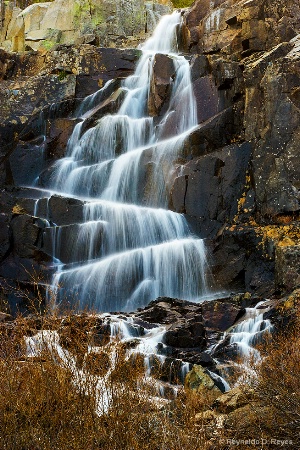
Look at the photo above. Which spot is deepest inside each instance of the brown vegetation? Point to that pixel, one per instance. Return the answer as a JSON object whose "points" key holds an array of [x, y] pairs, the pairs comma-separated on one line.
{"points": [[272, 413], [50, 400], [47, 402]]}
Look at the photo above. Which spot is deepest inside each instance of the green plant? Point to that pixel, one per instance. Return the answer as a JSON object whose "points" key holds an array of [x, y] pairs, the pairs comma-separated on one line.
{"points": [[182, 3], [47, 44]]}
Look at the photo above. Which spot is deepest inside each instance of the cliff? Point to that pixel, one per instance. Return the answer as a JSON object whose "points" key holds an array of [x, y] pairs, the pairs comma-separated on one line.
{"points": [[238, 179]]}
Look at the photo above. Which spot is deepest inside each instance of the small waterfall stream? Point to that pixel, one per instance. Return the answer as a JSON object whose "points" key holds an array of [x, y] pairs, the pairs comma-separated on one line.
{"points": [[245, 335], [249, 331], [130, 249]]}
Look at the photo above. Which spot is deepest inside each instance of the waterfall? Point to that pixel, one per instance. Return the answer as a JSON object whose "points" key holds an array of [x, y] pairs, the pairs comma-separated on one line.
{"points": [[130, 249], [250, 330]]}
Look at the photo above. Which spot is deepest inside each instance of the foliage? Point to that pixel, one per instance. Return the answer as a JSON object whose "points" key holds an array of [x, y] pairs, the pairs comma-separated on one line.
{"points": [[44, 405], [279, 384], [182, 3], [47, 44], [53, 399], [274, 413]]}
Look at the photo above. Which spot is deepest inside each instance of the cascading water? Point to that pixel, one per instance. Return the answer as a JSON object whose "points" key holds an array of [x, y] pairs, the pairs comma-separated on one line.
{"points": [[130, 248], [250, 330], [245, 335]]}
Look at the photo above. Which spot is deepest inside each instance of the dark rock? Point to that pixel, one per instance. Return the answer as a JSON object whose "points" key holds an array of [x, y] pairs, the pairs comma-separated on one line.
{"points": [[113, 62], [27, 162], [199, 67], [25, 235], [185, 328], [20, 278], [160, 88], [181, 336], [196, 357], [60, 240], [207, 98], [109, 105], [5, 235], [216, 132], [275, 167], [287, 268], [171, 371], [211, 186], [58, 134], [226, 351], [239, 260], [65, 211], [221, 314]]}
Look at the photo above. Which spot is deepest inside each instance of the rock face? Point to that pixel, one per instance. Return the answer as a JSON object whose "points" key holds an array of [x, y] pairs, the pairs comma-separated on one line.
{"points": [[288, 267], [246, 79], [105, 23]]}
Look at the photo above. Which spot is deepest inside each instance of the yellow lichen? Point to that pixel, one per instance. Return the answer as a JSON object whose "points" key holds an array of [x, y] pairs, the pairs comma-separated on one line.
{"points": [[17, 209]]}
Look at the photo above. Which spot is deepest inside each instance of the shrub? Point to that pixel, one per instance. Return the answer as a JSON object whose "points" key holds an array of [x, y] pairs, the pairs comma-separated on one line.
{"points": [[274, 412], [50, 400]]}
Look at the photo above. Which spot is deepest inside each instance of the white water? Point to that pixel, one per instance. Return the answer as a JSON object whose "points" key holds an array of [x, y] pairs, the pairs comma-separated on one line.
{"points": [[250, 330], [130, 248], [245, 335], [147, 343]]}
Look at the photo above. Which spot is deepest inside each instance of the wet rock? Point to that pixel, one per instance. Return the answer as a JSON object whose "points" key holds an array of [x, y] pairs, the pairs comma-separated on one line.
{"points": [[107, 106], [160, 88], [226, 351], [60, 241], [171, 371], [25, 235], [27, 161], [89, 84], [54, 78], [64, 211]]}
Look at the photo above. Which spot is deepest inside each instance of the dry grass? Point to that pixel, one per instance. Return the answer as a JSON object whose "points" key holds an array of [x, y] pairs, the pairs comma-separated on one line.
{"points": [[273, 414], [278, 385], [48, 401]]}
